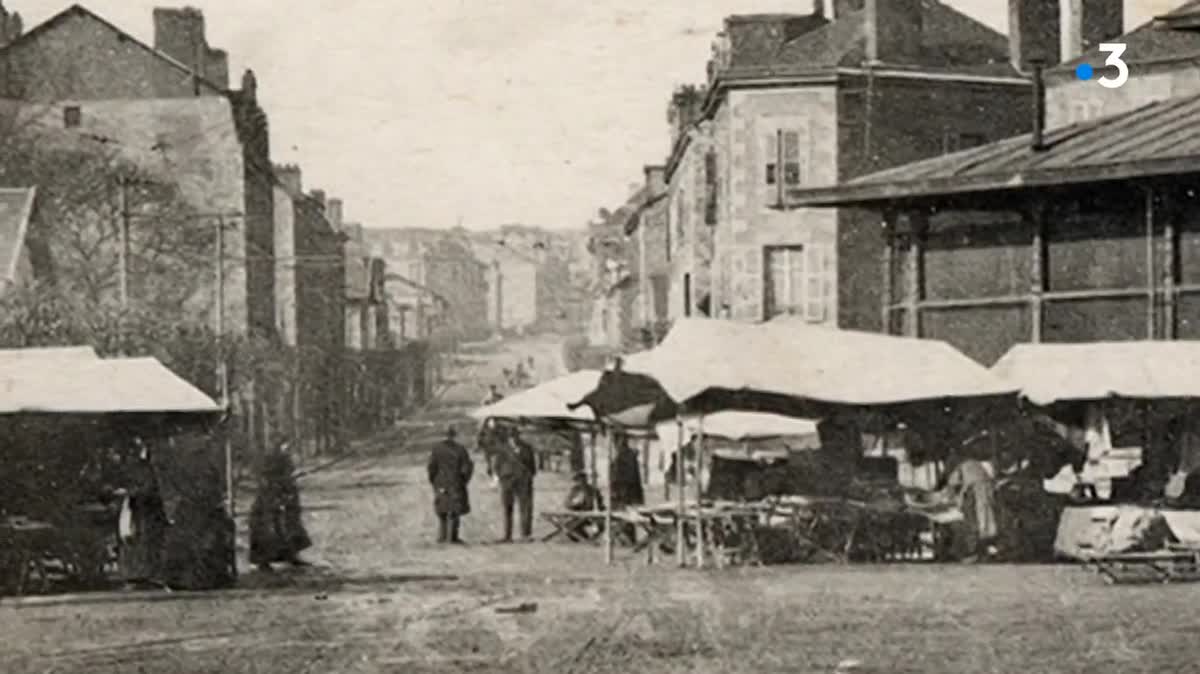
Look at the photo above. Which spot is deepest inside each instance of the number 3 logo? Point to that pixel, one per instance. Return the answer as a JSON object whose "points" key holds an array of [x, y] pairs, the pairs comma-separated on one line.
{"points": [[1114, 51]]}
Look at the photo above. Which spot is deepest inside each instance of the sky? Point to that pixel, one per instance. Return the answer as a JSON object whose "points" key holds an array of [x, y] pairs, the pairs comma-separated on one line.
{"points": [[434, 113]]}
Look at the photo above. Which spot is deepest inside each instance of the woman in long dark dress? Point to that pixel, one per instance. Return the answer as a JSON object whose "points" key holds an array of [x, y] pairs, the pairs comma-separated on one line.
{"points": [[277, 531], [143, 522]]}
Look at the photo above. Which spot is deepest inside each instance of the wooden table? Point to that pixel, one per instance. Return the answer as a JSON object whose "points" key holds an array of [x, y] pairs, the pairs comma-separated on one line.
{"points": [[24, 544], [1172, 564]]}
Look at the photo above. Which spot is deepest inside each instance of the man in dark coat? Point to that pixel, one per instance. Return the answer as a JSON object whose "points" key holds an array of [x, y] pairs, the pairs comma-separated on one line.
{"points": [[515, 465], [450, 471]]}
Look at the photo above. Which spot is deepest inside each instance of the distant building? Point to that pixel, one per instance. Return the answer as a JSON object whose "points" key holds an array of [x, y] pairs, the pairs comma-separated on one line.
{"points": [[366, 299], [650, 231], [414, 311], [445, 264], [17, 208]]}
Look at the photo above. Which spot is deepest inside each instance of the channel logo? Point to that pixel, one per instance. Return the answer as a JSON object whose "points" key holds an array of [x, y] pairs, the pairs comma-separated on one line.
{"points": [[1115, 50]]}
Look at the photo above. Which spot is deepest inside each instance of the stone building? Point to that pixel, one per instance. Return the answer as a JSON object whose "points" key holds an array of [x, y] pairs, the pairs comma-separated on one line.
{"points": [[810, 99], [651, 234], [174, 101], [1082, 231]]}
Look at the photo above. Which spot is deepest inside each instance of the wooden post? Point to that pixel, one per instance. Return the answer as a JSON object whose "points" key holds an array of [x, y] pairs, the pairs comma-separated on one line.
{"points": [[699, 492], [1151, 284], [1037, 272], [680, 473], [1170, 266], [608, 505], [915, 286], [889, 262]]}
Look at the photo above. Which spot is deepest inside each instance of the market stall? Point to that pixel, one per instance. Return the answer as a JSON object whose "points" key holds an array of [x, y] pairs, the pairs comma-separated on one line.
{"points": [[74, 427], [786, 367], [1130, 411]]}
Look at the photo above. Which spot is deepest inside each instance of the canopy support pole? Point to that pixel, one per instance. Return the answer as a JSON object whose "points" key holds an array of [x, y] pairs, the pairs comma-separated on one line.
{"points": [[699, 492], [889, 270], [680, 555], [1037, 276], [608, 503], [1169, 270], [1151, 291]]}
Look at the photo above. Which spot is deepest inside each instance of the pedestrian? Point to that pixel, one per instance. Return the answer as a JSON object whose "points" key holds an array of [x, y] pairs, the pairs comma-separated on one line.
{"points": [[627, 489], [515, 466], [493, 396], [277, 532], [450, 470], [143, 522], [585, 498]]}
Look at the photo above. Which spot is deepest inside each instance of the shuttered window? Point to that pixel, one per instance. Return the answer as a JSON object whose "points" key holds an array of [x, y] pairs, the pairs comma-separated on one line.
{"points": [[799, 282], [710, 187]]}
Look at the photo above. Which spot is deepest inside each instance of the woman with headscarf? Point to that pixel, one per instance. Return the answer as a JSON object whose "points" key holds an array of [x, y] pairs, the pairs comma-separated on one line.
{"points": [[277, 531]]}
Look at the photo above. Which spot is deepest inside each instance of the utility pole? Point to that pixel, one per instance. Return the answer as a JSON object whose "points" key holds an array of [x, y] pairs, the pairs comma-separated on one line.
{"points": [[122, 257]]}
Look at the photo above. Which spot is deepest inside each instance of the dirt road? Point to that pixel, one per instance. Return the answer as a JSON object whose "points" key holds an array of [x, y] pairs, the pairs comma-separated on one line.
{"points": [[387, 599]]}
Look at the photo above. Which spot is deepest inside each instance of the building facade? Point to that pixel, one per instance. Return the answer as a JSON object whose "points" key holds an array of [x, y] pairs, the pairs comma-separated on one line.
{"points": [[81, 72], [796, 100], [1082, 231]]}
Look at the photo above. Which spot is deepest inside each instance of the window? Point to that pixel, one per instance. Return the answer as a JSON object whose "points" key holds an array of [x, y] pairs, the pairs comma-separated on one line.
{"points": [[794, 153], [799, 282], [710, 186], [72, 116], [687, 295]]}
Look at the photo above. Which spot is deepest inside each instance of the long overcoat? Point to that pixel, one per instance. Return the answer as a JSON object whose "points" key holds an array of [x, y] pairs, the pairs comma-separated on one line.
{"points": [[450, 471]]}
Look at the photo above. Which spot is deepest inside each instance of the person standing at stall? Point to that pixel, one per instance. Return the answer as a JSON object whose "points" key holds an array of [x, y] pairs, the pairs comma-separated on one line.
{"points": [[450, 470], [143, 522], [277, 532], [971, 487], [515, 466], [627, 489]]}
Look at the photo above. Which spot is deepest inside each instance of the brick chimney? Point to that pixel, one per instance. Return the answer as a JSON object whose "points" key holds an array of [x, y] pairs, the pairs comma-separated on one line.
{"points": [[656, 178], [1033, 32], [180, 34], [893, 30], [319, 197], [1087, 23], [289, 176], [333, 212]]}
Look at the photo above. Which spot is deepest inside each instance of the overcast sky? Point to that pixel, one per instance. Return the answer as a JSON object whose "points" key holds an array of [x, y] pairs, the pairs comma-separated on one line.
{"points": [[422, 112]]}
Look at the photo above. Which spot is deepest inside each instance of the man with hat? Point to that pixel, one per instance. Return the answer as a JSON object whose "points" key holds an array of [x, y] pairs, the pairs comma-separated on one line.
{"points": [[515, 465], [450, 470]]}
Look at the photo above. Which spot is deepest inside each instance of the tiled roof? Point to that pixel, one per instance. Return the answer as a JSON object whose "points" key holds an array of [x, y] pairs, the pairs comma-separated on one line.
{"points": [[950, 40], [16, 205], [1184, 17], [1148, 43], [1160, 138]]}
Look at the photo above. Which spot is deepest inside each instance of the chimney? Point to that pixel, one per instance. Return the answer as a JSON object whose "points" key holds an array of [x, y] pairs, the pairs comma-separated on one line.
{"points": [[319, 197], [289, 176], [1033, 32], [755, 39], [333, 212], [180, 34], [1037, 139], [1087, 23], [216, 67], [656, 178], [249, 85], [893, 29]]}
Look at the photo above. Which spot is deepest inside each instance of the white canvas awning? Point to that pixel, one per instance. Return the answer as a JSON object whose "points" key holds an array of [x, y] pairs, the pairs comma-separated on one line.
{"points": [[788, 359], [1048, 373], [738, 425], [81, 385], [547, 401]]}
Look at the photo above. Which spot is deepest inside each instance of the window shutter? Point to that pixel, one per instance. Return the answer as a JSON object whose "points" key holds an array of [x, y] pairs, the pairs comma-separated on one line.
{"points": [[770, 156], [791, 158]]}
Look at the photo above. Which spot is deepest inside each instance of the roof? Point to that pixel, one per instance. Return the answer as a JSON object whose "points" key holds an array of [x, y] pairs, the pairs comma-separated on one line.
{"points": [[1159, 138], [81, 11], [781, 366], [16, 207], [646, 200], [547, 401], [950, 40], [1048, 373], [1184, 17], [75, 384], [1148, 43]]}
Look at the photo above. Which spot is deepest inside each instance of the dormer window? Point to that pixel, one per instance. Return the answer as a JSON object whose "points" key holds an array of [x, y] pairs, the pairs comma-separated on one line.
{"points": [[72, 116]]}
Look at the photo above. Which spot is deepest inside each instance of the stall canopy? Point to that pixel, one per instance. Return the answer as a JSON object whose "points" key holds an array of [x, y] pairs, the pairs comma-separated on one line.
{"points": [[709, 365], [738, 425], [546, 401], [1049, 373], [70, 382]]}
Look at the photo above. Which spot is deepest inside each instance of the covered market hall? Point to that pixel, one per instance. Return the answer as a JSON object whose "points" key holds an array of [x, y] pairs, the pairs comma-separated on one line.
{"points": [[1076, 252]]}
